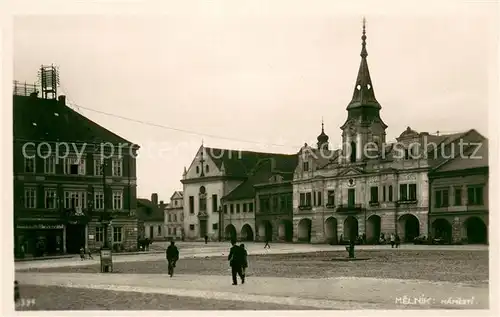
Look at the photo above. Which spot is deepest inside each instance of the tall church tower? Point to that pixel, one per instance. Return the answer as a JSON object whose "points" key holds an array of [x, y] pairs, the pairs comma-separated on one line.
{"points": [[363, 124]]}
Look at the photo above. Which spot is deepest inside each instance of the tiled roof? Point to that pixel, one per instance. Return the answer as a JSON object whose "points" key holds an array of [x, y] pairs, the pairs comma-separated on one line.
{"points": [[261, 173], [240, 163], [473, 158], [37, 119], [147, 211]]}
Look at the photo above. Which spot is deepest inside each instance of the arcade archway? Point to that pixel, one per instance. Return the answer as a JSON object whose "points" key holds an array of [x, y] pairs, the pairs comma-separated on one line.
{"points": [[373, 225], [331, 230], [285, 230], [476, 229], [409, 226], [441, 229], [246, 233], [350, 228], [230, 232], [304, 230]]}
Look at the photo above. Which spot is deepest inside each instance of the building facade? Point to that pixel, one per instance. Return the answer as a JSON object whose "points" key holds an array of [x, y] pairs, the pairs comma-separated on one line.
{"points": [[214, 174], [68, 173], [150, 215], [174, 216], [458, 211], [369, 186]]}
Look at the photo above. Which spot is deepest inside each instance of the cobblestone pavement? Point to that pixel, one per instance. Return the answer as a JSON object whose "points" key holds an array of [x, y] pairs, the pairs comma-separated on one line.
{"points": [[200, 250], [64, 298], [327, 293]]}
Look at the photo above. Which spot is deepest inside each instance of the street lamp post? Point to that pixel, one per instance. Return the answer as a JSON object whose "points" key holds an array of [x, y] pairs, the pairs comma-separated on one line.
{"points": [[106, 254]]}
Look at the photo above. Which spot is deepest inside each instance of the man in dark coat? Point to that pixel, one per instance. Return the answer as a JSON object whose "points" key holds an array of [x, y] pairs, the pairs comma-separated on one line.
{"points": [[172, 257], [236, 259]]}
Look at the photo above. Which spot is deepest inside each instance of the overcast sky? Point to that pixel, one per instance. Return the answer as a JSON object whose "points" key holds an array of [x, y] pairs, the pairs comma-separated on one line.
{"points": [[263, 78]]}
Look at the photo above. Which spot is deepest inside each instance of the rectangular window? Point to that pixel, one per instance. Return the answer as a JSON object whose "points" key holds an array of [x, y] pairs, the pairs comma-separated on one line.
{"points": [[50, 165], [441, 198], [117, 200], [384, 193], [169, 218], [282, 202], [374, 194], [225, 209], [319, 200], [475, 195], [202, 202], [215, 226], [308, 199], [117, 164], [74, 166], [412, 189], [302, 199], [117, 234], [305, 166], [75, 200], [169, 231], [264, 204], [191, 227], [289, 202], [458, 196], [98, 200], [390, 192], [244, 207], [159, 230], [50, 199], [351, 196], [250, 207], [275, 203], [98, 165], [231, 208], [191, 204], [30, 197], [237, 208], [174, 217], [215, 202], [174, 231], [29, 165], [331, 198], [314, 198], [403, 192], [99, 234]]}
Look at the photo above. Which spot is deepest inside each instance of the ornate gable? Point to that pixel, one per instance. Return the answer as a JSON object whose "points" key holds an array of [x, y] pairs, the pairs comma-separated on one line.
{"points": [[351, 171]]}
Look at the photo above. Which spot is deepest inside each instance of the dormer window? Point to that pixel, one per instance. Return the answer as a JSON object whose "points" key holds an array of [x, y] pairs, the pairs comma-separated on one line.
{"points": [[305, 166]]}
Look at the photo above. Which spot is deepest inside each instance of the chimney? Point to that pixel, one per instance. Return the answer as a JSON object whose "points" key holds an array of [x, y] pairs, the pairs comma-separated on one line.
{"points": [[154, 199], [162, 204], [62, 99]]}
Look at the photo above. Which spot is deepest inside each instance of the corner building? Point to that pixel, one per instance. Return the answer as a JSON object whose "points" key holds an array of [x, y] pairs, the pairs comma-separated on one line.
{"points": [[368, 186]]}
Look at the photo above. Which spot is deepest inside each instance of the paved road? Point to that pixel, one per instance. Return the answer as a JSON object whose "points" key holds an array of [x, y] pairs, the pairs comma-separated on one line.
{"points": [[330, 293], [196, 250]]}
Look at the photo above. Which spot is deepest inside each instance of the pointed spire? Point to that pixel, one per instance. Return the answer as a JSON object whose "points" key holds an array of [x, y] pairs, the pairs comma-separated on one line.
{"points": [[322, 138], [363, 95]]}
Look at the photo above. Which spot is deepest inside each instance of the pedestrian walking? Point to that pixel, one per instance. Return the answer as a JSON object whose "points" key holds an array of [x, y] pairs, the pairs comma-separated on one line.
{"points": [[267, 244], [393, 240], [235, 259], [397, 240], [89, 252], [172, 254], [17, 294], [206, 239], [245, 260], [82, 254]]}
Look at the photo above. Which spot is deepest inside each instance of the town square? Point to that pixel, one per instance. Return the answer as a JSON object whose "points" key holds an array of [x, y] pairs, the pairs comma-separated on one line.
{"points": [[228, 162]]}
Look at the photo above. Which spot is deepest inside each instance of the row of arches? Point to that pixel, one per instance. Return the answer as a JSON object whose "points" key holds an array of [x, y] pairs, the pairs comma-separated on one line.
{"points": [[409, 226]]}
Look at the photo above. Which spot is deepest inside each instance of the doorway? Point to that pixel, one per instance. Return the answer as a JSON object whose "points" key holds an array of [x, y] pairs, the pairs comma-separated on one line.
{"points": [[75, 238]]}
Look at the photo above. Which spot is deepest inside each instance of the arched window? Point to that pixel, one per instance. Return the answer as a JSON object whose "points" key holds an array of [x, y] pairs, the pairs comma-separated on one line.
{"points": [[203, 199], [353, 152]]}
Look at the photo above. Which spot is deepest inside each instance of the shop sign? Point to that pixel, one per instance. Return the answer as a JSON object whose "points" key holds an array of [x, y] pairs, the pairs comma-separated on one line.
{"points": [[91, 237], [40, 226]]}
